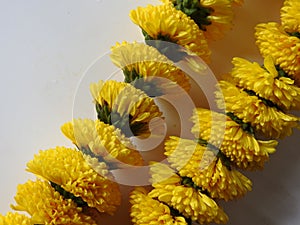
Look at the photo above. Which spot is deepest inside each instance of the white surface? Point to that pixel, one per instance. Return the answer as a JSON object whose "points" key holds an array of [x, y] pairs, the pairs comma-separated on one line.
{"points": [[45, 48]]}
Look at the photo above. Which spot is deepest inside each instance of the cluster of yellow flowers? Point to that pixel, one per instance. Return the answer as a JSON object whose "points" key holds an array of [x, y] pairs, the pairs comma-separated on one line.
{"points": [[253, 100], [281, 41]]}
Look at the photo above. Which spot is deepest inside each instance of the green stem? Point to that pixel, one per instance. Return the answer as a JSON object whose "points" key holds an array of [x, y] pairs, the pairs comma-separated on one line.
{"points": [[196, 11], [188, 182], [129, 129], [139, 82], [281, 72], [245, 126], [294, 34], [175, 213], [219, 154], [265, 101], [163, 43], [67, 195]]}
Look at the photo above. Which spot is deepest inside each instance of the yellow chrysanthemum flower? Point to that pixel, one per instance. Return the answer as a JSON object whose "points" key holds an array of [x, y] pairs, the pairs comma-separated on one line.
{"points": [[290, 16], [251, 109], [266, 82], [14, 219], [165, 23], [190, 202], [145, 210], [188, 150], [68, 169], [47, 206], [214, 17], [241, 147], [146, 69], [102, 140], [117, 145], [122, 105], [284, 48], [206, 169], [221, 18]]}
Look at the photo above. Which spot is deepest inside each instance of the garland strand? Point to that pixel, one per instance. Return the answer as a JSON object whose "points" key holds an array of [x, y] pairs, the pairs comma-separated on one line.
{"points": [[256, 101]]}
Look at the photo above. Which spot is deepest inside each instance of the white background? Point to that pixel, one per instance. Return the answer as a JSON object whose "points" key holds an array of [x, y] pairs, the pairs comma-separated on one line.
{"points": [[46, 45]]}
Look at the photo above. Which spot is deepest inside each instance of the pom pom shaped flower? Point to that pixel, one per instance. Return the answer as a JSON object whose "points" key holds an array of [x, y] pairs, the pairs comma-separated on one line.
{"points": [[70, 172], [165, 23], [213, 17], [122, 105], [266, 82], [240, 146], [261, 114], [290, 16], [221, 18], [206, 169], [47, 206], [146, 69], [102, 141], [178, 193], [14, 218], [283, 47], [145, 210]]}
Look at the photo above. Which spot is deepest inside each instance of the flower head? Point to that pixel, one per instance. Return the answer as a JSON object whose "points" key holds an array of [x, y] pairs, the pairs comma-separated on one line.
{"points": [[290, 16], [221, 18], [181, 152], [70, 170], [249, 108], [206, 169], [213, 17], [102, 140], [189, 201], [122, 105], [145, 210], [47, 206], [266, 82], [146, 69], [240, 146], [165, 23], [14, 218], [283, 47]]}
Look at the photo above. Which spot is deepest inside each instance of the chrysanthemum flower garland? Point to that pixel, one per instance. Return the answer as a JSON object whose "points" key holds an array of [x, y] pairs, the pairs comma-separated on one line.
{"points": [[200, 171], [210, 164], [81, 181]]}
